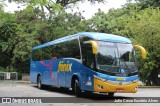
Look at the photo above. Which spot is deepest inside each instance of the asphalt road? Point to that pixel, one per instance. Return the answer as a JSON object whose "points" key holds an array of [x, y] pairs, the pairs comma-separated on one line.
{"points": [[30, 90]]}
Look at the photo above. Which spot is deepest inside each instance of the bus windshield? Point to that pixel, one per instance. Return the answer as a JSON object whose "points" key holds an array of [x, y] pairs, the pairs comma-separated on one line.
{"points": [[112, 57]]}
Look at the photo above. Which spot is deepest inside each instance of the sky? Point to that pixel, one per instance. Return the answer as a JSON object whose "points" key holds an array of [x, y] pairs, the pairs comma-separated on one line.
{"points": [[86, 8], [90, 10]]}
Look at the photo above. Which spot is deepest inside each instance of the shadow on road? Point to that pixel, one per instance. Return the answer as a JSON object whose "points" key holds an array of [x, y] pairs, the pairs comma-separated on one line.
{"points": [[92, 97]]}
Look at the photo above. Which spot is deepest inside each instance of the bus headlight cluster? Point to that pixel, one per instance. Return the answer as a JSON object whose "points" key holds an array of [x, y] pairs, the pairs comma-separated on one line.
{"points": [[100, 86], [99, 78]]}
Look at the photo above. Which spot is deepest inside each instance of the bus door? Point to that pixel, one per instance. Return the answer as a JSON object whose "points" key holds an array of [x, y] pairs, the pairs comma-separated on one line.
{"points": [[89, 61]]}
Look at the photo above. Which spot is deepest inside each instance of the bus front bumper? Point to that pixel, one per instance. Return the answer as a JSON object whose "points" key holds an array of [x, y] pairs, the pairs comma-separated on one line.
{"points": [[104, 86]]}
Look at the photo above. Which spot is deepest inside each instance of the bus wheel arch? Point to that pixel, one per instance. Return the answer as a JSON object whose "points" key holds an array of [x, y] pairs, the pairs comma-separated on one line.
{"points": [[75, 84]]}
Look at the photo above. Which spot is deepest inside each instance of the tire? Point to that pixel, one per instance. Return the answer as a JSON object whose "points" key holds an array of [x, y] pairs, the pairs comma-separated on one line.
{"points": [[64, 88], [76, 88], [39, 82], [111, 94]]}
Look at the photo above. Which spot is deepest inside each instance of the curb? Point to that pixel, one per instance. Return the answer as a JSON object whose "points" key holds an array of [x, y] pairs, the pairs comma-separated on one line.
{"points": [[23, 82], [148, 86], [18, 82]]}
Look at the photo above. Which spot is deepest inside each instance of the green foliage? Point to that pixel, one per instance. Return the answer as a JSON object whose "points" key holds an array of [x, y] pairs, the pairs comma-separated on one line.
{"points": [[52, 6], [7, 41], [30, 27], [145, 26], [147, 3]]}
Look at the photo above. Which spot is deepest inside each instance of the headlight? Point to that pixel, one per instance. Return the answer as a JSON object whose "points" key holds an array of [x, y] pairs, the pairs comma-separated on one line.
{"points": [[99, 78]]}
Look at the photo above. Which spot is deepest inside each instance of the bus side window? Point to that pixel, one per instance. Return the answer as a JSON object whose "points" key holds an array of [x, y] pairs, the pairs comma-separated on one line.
{"points": [[47, 53], [37, 55], [72, 49]]}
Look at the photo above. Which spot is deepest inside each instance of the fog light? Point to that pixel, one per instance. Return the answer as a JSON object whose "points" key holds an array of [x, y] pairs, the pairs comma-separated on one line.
{"points": [[99, 86], [135, 88]]}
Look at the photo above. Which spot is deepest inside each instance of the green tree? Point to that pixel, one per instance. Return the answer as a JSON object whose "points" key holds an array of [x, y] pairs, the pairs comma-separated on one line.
{"points": [[26, 29], [145, 26], [7, 37], [52, 6], [147, 3]]}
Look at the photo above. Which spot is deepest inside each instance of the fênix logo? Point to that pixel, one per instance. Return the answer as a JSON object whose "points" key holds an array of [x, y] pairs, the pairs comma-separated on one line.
{"points": [[64, 67]]}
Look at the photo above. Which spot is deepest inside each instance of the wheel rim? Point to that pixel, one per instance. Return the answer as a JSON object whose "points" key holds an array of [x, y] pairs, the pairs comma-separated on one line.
{"points": [[39, 82], [75, 87]]}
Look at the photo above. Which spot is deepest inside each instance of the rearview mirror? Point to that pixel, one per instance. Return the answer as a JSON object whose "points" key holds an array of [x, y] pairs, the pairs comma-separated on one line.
{"points": [[94, 46], [143, 51]]}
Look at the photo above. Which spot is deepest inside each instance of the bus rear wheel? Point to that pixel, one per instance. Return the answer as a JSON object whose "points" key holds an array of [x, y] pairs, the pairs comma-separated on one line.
{"points": [[39, 82], [76, 88]]}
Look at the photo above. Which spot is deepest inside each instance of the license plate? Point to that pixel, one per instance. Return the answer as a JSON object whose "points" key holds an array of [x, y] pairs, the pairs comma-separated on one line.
{"points": [[119, 90]]}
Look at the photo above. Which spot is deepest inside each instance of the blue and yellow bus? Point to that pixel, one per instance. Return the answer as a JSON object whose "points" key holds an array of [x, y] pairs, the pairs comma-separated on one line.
{"points": [[87, 61]]}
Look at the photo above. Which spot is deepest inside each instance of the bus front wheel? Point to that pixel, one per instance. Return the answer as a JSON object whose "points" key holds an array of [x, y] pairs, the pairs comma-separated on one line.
{"points": [[76, 88]]}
